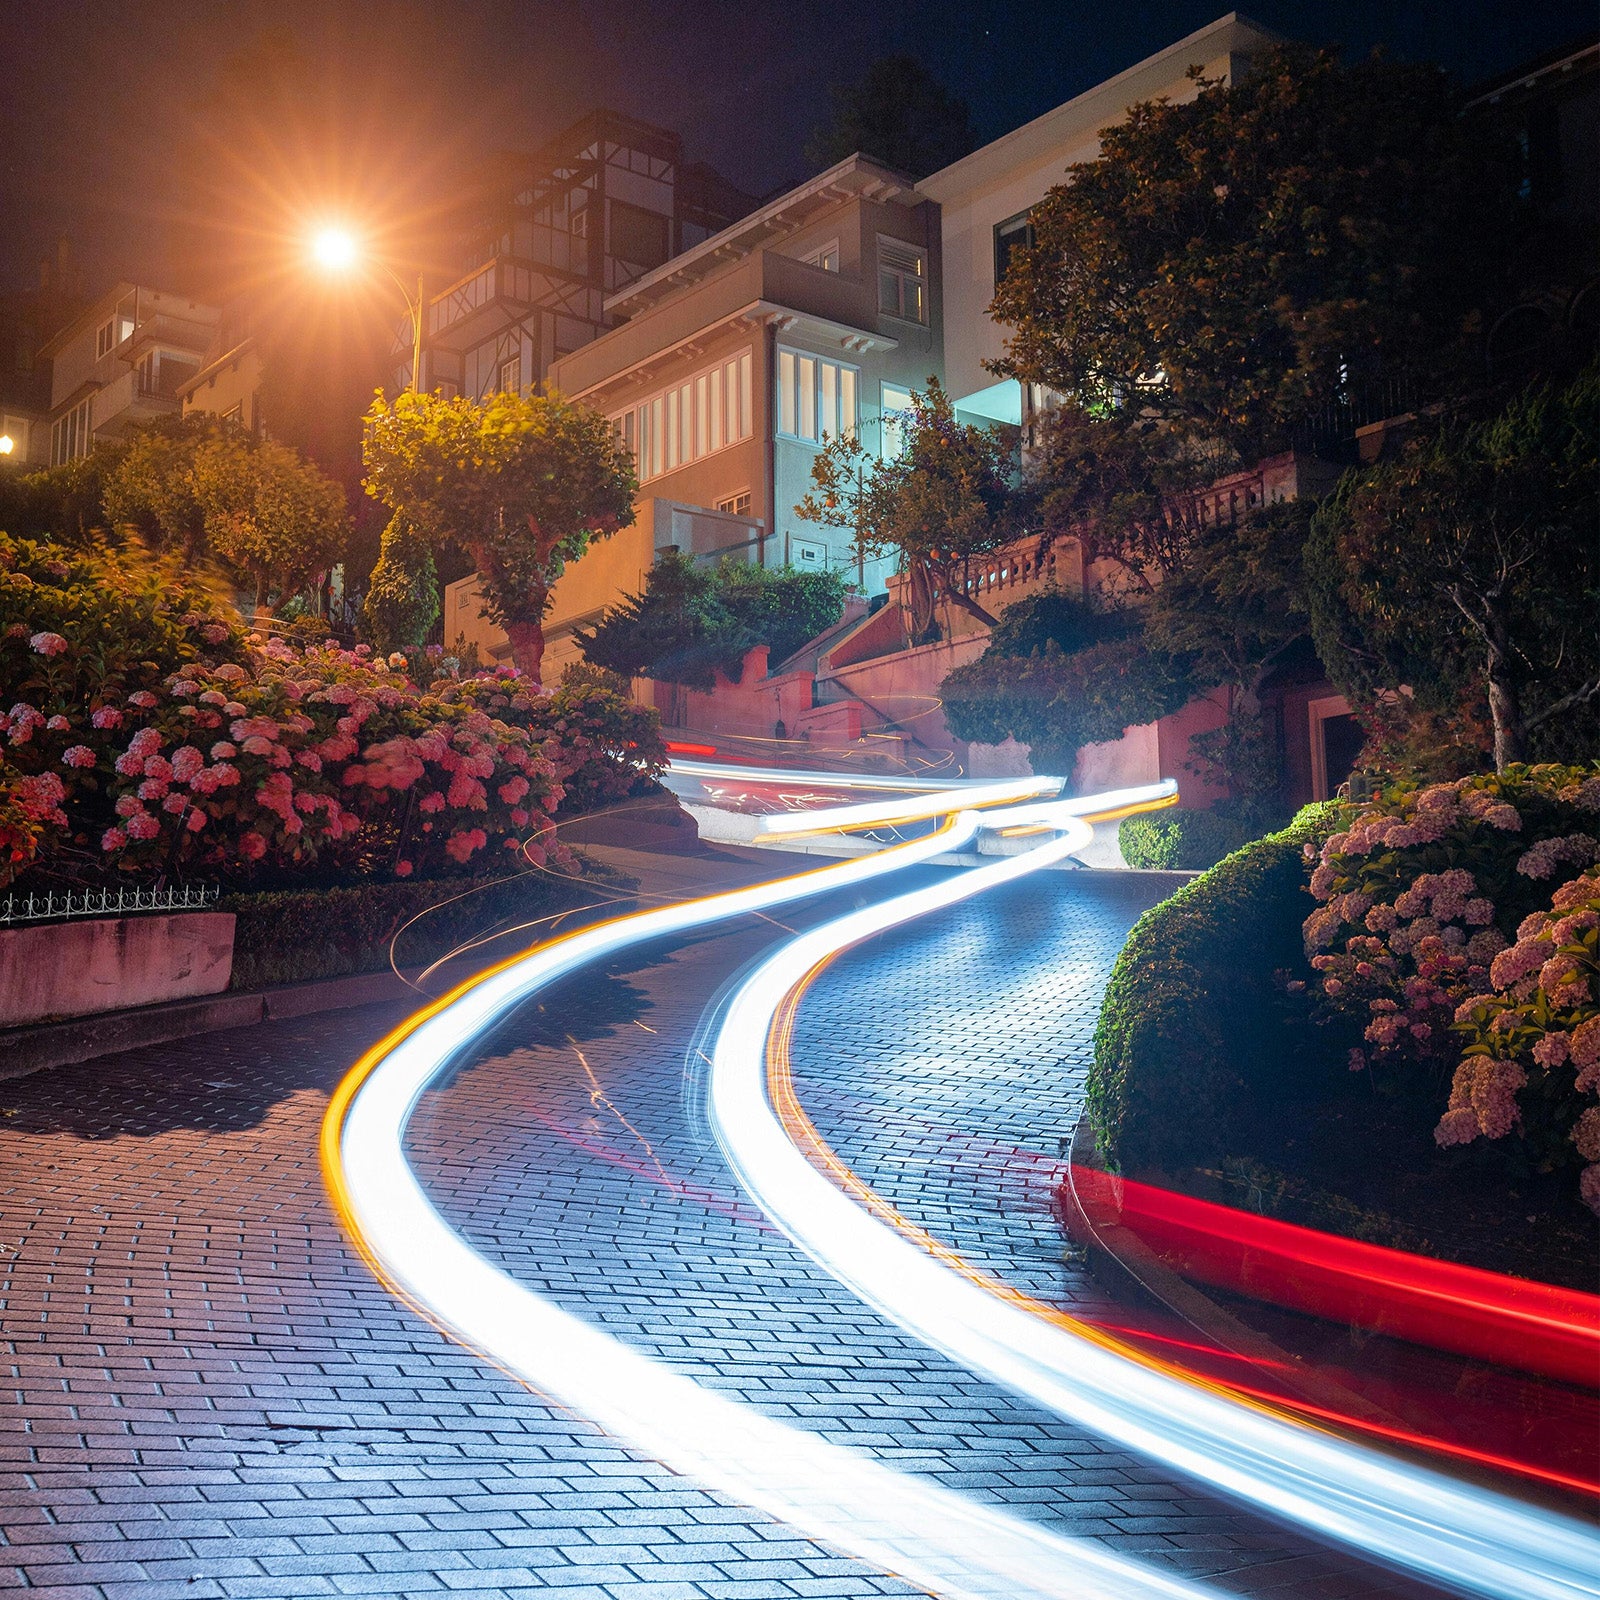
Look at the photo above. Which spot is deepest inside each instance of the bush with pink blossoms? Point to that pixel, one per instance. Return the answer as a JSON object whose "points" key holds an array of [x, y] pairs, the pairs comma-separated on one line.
{"points": [[1431, 902], [1531, 1062]]}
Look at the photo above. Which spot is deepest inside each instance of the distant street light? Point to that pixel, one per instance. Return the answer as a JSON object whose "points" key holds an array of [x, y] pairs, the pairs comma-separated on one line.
{"points": [[7, 444], [338, 250]]}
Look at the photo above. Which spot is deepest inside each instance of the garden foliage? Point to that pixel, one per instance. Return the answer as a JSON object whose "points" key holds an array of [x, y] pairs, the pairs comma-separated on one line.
{"points": [[1193, 1017], [1181, 840], [691, 622], [145, 733], [1457, 930]]}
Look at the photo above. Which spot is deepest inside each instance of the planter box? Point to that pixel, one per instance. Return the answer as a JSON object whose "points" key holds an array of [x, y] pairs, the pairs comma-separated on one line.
{"points": [[74, 969]]}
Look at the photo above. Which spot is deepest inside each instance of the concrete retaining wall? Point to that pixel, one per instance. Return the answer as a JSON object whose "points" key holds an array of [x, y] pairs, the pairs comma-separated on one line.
{"points": [[74, 969]]}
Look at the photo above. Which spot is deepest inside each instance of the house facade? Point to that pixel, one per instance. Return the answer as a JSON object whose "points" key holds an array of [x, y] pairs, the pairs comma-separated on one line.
{"points": [[557, 233], [121, 362], [227, 383], [730, 366]]}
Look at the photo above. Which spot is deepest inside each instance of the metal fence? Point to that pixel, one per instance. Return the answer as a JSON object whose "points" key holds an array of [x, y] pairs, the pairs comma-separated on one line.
{"points": [[55, 904]]}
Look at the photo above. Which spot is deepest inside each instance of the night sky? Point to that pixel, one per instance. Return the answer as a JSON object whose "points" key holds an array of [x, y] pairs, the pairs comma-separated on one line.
{"points": [[100, 94]]}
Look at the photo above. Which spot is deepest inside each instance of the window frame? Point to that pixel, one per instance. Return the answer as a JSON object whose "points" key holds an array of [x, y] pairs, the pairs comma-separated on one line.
{"points": [[901, 273], [707, 411], [820, 257], [1025, 218], [803, 396]]}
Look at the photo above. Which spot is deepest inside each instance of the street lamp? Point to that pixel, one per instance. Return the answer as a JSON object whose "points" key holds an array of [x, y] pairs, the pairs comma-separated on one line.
{"points": [[338, 250], [7, 444]]}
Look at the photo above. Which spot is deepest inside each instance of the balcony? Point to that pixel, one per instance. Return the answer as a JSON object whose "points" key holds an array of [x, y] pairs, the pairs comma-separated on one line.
{"points": [[501, 292], [703, 535], [830, 308]]}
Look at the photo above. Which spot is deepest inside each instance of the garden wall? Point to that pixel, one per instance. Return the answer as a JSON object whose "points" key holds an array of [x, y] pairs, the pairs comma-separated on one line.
{"points": [[74, 969]]}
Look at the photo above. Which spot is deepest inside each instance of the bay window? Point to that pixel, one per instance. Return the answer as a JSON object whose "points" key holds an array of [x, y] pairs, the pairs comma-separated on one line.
{"points": [[816, 396]]}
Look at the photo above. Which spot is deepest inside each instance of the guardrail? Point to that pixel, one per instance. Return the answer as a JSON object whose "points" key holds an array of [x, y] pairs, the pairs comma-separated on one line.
{"points": [[55, 904]]}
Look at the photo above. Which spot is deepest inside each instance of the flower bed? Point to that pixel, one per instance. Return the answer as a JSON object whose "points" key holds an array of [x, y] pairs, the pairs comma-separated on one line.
{"points": [[146, 734], [1441, 942]]}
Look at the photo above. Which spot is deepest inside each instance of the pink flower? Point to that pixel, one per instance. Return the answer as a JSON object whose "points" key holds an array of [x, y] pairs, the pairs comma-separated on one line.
{"points": [[186, 761], [106, 717], [152, 789], [47, 644], [251, 845], [143, 826], [113, 839], [402, 869], [58, 724], [223, 751], [196, 820], [256, 745], [78, 755], [142, 698], [175, 804]]}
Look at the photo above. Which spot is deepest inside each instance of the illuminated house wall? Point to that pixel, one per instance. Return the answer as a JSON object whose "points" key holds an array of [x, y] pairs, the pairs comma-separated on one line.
{"points": [[984, 198], [727, 369]]}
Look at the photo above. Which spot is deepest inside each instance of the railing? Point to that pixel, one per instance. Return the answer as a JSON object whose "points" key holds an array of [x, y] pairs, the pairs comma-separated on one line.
{"points": [[54, 904], [1336, 423]]}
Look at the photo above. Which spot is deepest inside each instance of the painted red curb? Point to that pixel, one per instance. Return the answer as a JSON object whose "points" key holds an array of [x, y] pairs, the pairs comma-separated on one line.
{"points": [[1513, 1322]]}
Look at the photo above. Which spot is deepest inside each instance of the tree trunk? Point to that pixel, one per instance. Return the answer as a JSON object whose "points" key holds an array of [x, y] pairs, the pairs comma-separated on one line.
{"points": [[970, 606], [1505, 707], [527, 646]]}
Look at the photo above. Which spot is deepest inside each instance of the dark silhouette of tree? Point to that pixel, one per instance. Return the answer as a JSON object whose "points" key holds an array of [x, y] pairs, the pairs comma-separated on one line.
{"points": [[899, 114]]}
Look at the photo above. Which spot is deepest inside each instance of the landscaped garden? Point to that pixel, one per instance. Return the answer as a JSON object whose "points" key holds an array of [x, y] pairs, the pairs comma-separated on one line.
{"points": [[1383, 1021]]}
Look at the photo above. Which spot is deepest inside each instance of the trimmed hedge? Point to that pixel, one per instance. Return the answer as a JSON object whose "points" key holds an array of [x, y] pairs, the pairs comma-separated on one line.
{"points": [[1191, 1016], [1184, 841], [289, 936]]}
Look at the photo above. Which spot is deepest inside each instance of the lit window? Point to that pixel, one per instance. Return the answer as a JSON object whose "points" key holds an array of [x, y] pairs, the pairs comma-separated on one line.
{"points": [[692, 419], [902, 280], [1015, 233], [736, 505], [816, 397], [71, 434], [511, 376], [105, 339], [826, 257], [894, 412]]}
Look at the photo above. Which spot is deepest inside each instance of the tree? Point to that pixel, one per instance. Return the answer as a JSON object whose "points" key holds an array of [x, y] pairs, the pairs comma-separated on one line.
{"points": [[524, 483], [150, 487], [691, 622], [899, 114], [1231, 263], [402, 600], [947, 499], [1469, 564], [270, 514]]}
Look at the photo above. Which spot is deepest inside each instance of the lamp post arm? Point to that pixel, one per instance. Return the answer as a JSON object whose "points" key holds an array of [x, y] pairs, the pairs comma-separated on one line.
{"points": [[415, 310]]}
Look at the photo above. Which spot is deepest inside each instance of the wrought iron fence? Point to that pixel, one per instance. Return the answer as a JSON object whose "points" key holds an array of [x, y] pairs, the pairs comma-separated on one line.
{"points": [[54, 904]]}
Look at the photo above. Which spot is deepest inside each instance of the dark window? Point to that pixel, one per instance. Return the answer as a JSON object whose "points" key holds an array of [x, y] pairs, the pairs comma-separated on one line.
{"points": [[638, 237], [1016, 233]]}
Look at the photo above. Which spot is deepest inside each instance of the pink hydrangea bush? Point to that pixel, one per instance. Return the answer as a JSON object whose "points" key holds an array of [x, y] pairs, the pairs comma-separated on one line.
{"points": [[192, 750], [1423, 899], [1531, 1061]]}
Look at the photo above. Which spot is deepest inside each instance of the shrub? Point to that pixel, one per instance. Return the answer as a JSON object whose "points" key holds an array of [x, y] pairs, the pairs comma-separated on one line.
{"points": [[1179, 839], [149, 735], [1192, 1015], [291, 935], [1456, 931]]}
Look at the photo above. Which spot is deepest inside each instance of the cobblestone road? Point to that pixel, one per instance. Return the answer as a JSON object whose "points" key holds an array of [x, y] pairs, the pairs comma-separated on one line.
{"points": [[210, 1396]]}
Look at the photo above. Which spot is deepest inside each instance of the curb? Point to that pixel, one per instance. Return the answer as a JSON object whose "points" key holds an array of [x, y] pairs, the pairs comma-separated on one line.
{"points": [[61, 1044], [1133, 1262]]}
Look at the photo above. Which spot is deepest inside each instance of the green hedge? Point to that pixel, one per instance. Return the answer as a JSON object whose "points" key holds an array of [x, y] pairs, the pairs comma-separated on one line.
{"points": [[1185, 841], [288, 936], [1192, 1014]]}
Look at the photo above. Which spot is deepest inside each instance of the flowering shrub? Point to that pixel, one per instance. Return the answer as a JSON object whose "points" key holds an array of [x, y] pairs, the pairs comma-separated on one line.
{"points": [[1426, 899], [176, 745], [1533, 1056]]}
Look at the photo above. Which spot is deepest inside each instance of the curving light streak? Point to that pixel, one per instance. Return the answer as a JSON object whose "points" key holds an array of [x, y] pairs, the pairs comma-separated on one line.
{"points": [[821, 779], [875, 814], [1469, 1538], [901, 1524]]}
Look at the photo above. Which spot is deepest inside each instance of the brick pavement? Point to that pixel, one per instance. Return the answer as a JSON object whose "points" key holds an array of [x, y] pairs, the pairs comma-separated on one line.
{"points": [[209, 1396]]}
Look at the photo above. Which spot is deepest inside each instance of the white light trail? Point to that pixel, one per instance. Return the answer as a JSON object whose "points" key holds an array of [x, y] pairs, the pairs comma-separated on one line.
{"points": [[1470, 1538], [905, 1525], [872, 814]]}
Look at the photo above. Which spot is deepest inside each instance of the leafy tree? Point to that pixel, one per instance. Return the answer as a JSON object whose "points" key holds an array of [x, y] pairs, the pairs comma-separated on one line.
{"points": [[691, 622], [65, 502], [898, 113], [1229, 263], [150, 485], [947, 499], [267, 512], [1467, 567], [402, 600], [524, 483]]}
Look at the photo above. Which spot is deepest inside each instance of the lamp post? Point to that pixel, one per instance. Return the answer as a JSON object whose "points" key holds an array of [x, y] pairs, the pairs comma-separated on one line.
{"points": [[338, 251]]}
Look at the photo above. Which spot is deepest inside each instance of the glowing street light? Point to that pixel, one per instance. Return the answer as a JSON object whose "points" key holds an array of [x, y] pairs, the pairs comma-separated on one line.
{"points": [[7, 444], [337, 249]]}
